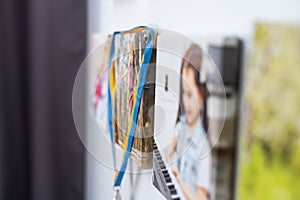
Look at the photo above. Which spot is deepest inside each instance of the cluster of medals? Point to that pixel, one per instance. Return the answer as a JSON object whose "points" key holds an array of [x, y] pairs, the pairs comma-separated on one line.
{"points": [[129, 49]]}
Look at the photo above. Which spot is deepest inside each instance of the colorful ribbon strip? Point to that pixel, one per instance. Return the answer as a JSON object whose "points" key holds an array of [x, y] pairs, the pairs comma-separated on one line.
{"points": [[136, 100]]}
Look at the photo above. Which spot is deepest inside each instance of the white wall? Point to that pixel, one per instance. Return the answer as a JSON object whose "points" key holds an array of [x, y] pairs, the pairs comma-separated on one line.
{"points": [[209, 17]]}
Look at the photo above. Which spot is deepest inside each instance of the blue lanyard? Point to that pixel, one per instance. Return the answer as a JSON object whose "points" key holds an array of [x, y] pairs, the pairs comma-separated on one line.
{"points": [[137, 98]]}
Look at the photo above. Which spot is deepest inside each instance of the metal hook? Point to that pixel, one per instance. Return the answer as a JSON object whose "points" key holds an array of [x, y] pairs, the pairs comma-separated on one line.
{"points": [[117, 195]]}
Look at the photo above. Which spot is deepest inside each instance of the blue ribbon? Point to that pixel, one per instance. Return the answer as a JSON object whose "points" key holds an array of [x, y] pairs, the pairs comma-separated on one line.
{"points": [[142, 79]]}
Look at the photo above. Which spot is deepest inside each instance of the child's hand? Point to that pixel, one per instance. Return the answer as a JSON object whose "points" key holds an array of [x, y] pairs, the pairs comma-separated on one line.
{"points": [[176, 173], [175, 170]]}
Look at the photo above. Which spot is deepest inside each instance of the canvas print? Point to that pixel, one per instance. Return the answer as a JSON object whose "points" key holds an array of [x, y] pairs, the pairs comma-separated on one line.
{"points": [[270, 144]]}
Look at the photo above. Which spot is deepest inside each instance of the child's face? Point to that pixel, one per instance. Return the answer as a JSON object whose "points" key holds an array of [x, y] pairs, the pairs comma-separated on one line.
{"points": [[191, 97]]}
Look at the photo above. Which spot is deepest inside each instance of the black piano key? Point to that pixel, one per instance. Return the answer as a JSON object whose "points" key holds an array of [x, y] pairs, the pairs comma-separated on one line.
{"points": [[166, 175], [173, 191], [160, 162], [163, 167], [168, 179], [171, 186]]}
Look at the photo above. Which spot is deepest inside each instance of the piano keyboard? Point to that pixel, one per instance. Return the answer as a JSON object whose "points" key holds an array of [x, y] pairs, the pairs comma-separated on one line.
{"points": [[163, 179]]}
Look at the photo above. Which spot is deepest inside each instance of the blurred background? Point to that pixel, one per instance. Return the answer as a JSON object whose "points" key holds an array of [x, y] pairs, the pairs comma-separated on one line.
{"points": [[43, 43]]}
